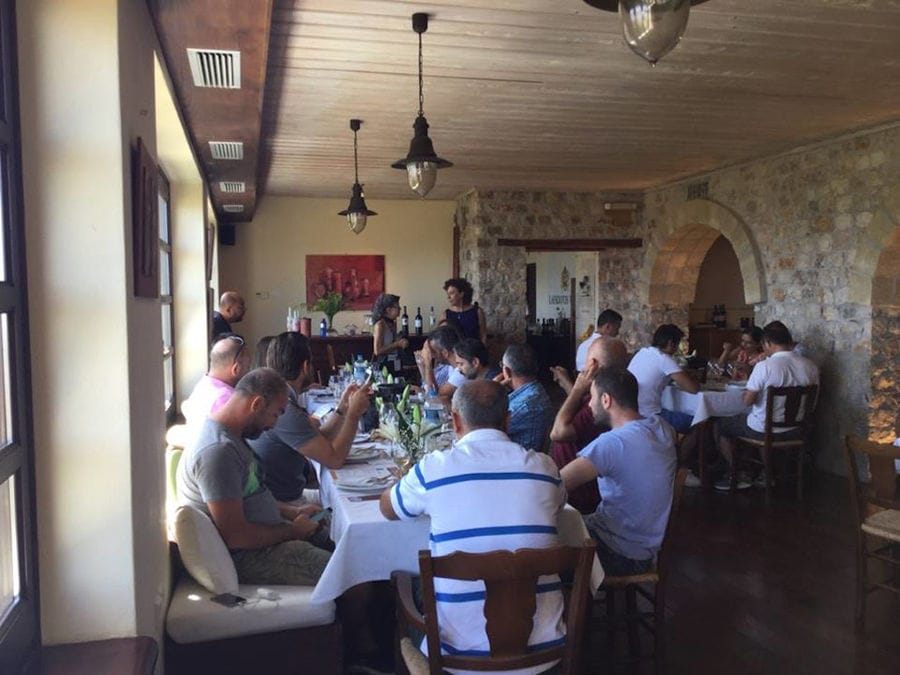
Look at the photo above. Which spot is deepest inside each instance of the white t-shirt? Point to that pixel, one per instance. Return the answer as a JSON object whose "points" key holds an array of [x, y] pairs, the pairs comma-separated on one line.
{"points": [[484, 494], [652, 369], [781, 369], [581, 353]]}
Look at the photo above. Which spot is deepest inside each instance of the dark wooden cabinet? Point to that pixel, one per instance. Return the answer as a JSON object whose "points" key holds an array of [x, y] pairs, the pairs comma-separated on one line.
{"points": [[346, 347], [708, 340]]}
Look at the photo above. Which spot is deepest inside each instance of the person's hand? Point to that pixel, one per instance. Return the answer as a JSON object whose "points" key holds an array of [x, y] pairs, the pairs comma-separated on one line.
{"points": [[345, 397], [403, 342], [303, 527], [501, 378], [427, 355], [307, 510], [561, 376], [586, 377], [727, 347], [359, 402]]}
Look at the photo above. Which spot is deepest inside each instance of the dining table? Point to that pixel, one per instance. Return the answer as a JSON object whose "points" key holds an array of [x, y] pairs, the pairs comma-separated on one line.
{"points": [[715, 399], [368, 546]]}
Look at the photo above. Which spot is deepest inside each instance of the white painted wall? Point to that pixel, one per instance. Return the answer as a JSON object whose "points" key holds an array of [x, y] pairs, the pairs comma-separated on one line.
{"points": [[96, 365], [268, 265]]}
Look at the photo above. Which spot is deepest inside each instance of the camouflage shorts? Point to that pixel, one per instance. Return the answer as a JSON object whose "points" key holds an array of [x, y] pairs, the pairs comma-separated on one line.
{"points": [[297, 563]]}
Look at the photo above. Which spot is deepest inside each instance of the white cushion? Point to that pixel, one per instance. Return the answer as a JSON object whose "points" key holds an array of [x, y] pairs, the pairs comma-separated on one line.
{"points": [[203, 552], [193, 617]]}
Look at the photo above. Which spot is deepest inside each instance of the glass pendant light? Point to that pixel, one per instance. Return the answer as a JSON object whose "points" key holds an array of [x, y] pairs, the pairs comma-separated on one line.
{"points": [[357, 213], [421, 162]]}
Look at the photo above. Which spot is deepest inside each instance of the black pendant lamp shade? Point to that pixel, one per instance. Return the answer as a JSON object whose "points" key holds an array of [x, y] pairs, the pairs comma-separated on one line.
{"points": [[357, 213], [421, 162]]}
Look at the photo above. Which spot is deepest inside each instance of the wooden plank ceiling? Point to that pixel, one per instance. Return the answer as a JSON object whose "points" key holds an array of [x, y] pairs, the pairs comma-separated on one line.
{"points": [[544, 94]]}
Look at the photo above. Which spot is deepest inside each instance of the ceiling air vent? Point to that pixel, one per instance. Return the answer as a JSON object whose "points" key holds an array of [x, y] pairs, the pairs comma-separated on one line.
{"points": [[232, 186], [233, 208], [215, 68], [698, 190], [227, 149]]}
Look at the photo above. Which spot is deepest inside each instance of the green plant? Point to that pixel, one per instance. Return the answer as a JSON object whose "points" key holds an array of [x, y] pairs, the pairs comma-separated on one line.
{"points": [[329, 304]]}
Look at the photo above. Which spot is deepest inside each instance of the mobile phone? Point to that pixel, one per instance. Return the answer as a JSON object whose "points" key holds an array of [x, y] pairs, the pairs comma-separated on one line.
{"points": [[324, 513], [228, 599]]}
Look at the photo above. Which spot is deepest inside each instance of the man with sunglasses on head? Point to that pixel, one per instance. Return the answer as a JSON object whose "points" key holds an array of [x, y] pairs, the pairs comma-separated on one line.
{"points": [[229, 361]]}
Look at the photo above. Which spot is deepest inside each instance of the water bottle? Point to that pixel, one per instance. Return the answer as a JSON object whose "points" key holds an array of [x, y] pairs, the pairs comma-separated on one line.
{"points": [[359, 369], [433, 407], [323, 328]]}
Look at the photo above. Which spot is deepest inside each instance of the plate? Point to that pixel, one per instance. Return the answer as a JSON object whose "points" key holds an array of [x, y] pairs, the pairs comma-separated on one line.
{"points": [[365, 451], [365, 484]]}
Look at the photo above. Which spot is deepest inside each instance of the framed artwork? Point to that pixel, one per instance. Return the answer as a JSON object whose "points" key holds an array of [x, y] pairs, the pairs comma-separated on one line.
{"points": [[145, 224], [360, 278]]}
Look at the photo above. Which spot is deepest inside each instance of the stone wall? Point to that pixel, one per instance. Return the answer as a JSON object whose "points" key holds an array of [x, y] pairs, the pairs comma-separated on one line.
{"points": [[808, 228], [498, 272]]}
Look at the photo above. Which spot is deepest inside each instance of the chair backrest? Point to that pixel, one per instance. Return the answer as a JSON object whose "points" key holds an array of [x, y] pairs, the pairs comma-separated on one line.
{"points": [[799, 406], [883, 493], [511, 581], [662, 559]]}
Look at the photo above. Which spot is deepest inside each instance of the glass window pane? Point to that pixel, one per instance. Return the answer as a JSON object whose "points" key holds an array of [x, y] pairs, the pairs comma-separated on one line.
{"points": [[167, 327], [168, 382], [9, 546], [165, 276], [6, 431], [163, 220]]}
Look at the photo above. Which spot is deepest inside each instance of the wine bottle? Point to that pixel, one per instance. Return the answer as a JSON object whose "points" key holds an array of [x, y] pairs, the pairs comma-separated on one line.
{"points": [[404, 323], [431, 320], [418, 321]]}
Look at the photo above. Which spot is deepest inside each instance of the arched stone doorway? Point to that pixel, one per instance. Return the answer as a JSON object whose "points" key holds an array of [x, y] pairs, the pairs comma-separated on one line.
{"points": [[884, 399], [677, 249]]}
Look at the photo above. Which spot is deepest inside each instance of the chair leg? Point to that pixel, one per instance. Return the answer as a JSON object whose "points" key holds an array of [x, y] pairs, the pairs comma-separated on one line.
{"points": [[767, 467], [632, 622], [861, 585], [610, 622]]}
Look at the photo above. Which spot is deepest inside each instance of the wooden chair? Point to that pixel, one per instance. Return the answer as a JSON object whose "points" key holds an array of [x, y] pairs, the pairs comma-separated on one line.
{"points": [[651, 586], [510, 579], [877, 511], [799, 407]]}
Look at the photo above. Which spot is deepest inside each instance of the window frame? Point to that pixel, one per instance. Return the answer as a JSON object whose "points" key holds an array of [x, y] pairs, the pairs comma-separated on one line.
{"points": [[167, 299], [20, 624]]}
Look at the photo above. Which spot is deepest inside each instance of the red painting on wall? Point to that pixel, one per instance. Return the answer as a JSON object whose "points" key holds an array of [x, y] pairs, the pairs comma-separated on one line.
{"points": [[360, 278]]}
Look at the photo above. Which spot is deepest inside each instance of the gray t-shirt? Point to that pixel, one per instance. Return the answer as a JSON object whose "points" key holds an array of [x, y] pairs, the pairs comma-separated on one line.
{"points": [[279, 448], [220, 467]]}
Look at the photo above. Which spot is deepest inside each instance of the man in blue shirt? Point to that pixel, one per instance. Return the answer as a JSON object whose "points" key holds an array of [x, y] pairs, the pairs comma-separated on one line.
{"points": [[529, 405], [634, 465]]}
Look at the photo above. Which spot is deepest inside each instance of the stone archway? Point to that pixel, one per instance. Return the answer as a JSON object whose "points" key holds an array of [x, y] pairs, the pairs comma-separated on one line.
{"points": [[884, 396], [678, 247]]}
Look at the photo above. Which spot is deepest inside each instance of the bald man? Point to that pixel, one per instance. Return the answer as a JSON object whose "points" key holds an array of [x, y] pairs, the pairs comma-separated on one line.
{"points": [[574, 426], [231, 310], [229, 361]]}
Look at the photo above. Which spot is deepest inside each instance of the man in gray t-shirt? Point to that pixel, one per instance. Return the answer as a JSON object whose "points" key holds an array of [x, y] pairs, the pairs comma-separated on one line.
{"points": [[269, 542]]}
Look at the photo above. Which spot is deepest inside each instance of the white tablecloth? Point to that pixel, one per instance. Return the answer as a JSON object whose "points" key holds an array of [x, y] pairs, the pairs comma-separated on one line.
{"points": [[704, 404], [370, 547]]}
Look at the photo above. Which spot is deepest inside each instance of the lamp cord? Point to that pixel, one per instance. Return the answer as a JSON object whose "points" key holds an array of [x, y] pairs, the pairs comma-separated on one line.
{"points": [[421, 95], [355, 167]]}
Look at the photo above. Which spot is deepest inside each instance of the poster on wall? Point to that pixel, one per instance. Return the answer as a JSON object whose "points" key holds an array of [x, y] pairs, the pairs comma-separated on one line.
{"points": [[360, 278]]}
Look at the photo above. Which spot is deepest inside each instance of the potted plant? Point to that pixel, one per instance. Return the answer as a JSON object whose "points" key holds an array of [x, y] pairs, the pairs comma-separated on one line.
{"points": [[329, 304]]}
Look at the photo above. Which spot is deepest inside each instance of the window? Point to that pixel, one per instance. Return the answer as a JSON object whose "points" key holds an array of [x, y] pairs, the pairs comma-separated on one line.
{"points": [[18, 544], [165, 297]]}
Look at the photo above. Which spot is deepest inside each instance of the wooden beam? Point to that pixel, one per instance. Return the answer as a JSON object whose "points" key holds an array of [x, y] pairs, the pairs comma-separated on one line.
{"points": [[571, 244]]}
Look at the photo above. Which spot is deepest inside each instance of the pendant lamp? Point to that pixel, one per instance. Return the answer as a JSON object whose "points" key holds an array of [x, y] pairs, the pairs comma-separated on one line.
{"points": [[357, 213], [421, 162]]}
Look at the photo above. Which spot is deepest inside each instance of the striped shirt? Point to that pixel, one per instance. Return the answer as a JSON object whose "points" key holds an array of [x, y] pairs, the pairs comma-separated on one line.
{"points": [[484, 494]]}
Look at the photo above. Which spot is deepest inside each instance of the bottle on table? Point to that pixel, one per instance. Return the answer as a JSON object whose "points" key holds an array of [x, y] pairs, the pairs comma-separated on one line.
{"points": [[417, 322], [404, 323], [359, 369], [433, 407], [431, 320], [323, 328]]}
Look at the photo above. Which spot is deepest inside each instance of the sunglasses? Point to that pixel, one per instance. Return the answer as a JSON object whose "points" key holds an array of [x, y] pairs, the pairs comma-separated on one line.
{"points": [[240, 341]]}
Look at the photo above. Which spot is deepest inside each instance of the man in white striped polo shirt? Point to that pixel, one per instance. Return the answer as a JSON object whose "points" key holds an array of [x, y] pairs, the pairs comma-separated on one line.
{"points": [[486, 493]]}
